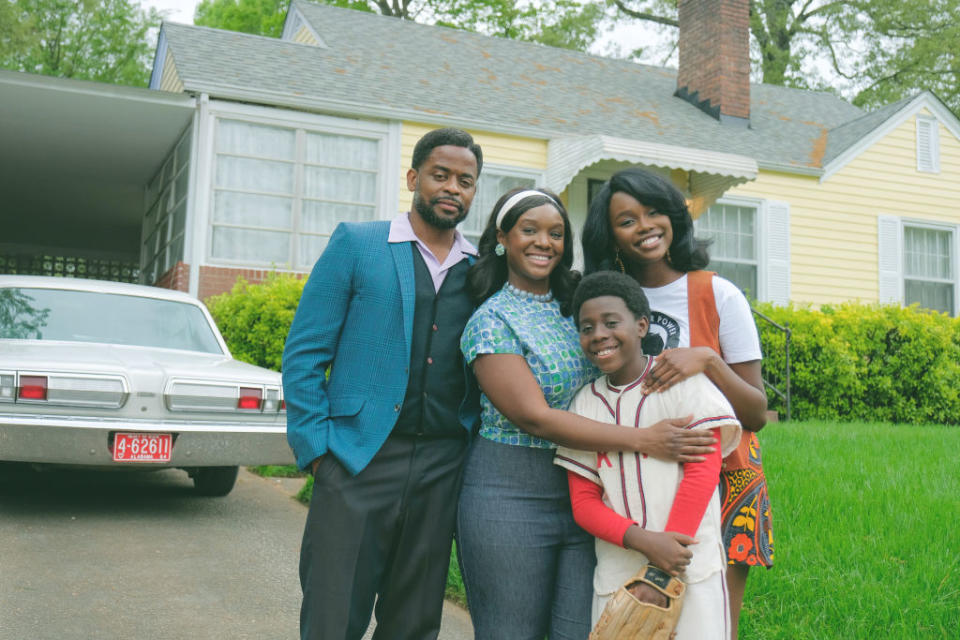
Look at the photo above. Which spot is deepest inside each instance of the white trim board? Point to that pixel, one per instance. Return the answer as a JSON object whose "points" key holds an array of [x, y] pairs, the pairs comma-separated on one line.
{"points": [[925, 100]]}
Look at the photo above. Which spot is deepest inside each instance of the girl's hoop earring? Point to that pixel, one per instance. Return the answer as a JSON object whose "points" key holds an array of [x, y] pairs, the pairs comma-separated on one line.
{"points": [[617, 260], [499, 249]]}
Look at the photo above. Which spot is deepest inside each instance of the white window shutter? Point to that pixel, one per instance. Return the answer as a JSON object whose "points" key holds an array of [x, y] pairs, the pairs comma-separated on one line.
{"points": [[776, 264], [890, 253], [928, 145]]}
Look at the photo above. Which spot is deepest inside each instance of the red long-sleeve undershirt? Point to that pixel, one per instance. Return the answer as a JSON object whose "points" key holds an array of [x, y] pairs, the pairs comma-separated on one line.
{"points": [[693, 495]]}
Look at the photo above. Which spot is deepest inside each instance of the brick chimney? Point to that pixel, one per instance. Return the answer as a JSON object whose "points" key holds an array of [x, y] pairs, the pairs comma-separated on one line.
{"points": [[714, 73]]}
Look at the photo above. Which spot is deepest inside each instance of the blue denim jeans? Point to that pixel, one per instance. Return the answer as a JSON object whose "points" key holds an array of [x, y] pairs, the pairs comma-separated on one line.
{"points": [[527, 566]]}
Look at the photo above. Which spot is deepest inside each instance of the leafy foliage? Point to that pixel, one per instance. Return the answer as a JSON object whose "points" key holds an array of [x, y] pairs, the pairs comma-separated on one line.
{"points": [[866, 362], [261, 17], [883, 49], [19, 319], [102, 40], [559, 23], [255, 319]]}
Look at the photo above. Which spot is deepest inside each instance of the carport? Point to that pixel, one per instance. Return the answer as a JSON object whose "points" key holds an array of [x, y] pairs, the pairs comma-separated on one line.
{"points": [[75, 161]]}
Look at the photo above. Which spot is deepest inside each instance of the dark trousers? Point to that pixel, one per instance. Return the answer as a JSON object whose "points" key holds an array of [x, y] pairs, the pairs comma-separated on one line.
{"points": [[381, 535]]}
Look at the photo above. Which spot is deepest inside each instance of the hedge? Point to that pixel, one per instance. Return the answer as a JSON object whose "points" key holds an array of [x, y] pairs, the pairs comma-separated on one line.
{"points": [[255, 318], [878, 363]]}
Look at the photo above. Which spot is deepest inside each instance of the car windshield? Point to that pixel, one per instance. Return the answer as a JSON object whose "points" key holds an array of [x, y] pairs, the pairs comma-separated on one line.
{"points": [[86, 316]]}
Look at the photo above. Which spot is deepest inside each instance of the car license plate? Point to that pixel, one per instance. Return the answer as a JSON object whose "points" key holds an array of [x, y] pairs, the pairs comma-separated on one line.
{"points": [[142, 447]]}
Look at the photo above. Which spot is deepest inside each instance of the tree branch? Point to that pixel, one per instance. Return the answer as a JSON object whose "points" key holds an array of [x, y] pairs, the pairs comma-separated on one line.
{"points": [[643, 15]]}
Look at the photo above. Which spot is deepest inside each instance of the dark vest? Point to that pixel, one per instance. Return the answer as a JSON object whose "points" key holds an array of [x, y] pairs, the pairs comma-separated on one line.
{"points": [[437, 385]]}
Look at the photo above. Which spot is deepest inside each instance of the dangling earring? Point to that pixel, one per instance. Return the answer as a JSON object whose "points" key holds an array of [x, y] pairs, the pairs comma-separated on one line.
{"points": [[617, 260], [499, 249]]}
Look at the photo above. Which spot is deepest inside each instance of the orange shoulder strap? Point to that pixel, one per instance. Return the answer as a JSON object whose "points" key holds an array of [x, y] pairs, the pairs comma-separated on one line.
{"points": [[702, 311]]}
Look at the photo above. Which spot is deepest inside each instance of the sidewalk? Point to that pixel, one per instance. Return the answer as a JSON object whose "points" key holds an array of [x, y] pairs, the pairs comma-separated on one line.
{"points": [[455, 624]]}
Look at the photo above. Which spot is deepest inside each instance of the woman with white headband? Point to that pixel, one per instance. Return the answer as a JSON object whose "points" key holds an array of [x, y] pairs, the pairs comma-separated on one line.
{"points": [[527, 566]]}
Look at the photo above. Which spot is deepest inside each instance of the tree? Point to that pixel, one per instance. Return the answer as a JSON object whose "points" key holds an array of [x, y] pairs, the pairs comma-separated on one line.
{"points": [[880, 50], [559, 23], [918, 48], [261, 17], [103, 40]]}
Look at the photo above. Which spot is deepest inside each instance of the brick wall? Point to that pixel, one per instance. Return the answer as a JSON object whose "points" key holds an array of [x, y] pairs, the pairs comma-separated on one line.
{"points": [[714, 50], [217, 280], [177, 278]]}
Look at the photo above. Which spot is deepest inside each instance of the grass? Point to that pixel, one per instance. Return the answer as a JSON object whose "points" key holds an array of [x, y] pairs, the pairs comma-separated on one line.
{"points": [[865, 536], [277, 471], [866, 521]]}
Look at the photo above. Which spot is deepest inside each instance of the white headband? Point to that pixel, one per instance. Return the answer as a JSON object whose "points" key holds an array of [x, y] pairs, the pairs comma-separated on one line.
{"points": [[517, 197]]}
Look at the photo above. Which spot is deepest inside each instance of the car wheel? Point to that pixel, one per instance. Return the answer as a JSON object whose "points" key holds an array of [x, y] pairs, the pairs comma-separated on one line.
{"points": [[215, 481]]}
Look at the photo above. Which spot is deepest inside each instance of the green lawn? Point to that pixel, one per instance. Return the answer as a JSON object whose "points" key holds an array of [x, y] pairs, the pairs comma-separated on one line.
{"points": [[865, 530], [865, 519]]}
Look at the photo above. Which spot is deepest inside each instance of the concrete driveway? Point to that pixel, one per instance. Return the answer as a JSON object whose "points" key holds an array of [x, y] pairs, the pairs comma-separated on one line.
{"points": [[122, 555]]}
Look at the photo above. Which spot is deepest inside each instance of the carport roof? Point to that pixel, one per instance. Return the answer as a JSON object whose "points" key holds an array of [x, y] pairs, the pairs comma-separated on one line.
{"points": [[75, 157]]}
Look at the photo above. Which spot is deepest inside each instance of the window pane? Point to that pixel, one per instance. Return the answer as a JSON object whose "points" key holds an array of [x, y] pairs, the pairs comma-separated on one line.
{"points": [[179, 217], [733, 230], [323, 217], [310, 249], [244, 138], [342, 151], [742, 275], [269, 247], [927, 253], [490, 187], [255, 175], [929, 295], [180, 186], [252, 210], [340, 184]]}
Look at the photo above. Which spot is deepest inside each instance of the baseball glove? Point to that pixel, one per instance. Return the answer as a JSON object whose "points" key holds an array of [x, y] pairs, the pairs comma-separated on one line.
{"points": [[625, 617]]}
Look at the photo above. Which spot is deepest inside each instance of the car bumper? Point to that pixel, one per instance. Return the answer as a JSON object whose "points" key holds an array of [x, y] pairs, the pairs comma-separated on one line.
{"points": [[60, 440]]}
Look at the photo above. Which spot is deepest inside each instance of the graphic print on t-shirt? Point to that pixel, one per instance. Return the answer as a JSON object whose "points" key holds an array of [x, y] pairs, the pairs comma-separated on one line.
{"points": [[664, 333]]}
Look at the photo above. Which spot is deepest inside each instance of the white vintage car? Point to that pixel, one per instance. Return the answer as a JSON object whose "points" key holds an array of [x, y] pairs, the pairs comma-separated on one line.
{"points": [[107, 374]]}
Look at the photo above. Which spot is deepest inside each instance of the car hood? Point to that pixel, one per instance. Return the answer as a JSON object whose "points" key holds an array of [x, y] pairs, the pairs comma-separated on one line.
{"points": [[57, 356]]}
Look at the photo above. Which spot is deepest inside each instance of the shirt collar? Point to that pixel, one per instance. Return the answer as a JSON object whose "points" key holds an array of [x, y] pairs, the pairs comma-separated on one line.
{"points": [[402, 231]]}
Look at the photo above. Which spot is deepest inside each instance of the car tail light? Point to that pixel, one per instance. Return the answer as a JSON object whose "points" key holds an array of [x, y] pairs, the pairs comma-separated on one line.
{"points": [[8, 387], [250, 398], [32, 388]]}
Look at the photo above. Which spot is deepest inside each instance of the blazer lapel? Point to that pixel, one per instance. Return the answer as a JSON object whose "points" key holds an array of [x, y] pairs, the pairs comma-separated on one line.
{"points": [[403, 260]]}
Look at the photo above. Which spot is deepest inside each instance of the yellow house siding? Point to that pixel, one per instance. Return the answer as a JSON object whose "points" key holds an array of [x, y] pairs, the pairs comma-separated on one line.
{"points": [[497, 149], [305, 36], [170, 79], [833, 224]]}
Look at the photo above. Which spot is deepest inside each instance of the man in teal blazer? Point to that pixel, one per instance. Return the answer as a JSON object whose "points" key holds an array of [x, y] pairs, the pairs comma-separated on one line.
{"points": [[380, 405]]}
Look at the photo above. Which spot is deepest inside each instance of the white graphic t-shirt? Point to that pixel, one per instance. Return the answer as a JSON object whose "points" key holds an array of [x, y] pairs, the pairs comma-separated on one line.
{"points": [[670, 324]]}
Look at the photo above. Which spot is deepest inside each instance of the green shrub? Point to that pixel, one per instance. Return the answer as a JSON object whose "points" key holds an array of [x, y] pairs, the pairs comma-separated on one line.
{"points": [[255, 318], [865, 362]]}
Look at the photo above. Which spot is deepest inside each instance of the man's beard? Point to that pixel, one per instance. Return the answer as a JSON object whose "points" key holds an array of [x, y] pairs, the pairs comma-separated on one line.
{"points": [[429, 215]]}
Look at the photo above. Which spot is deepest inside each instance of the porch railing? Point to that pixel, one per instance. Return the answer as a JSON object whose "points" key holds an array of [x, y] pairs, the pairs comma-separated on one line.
{"points": [[784, 393]]}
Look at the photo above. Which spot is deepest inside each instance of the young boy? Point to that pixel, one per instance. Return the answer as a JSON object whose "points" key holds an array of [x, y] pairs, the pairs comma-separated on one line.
{"points": [[644, 510]]}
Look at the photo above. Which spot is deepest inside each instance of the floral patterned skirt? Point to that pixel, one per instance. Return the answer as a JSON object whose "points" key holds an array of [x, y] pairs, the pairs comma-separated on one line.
{"points": [[745, 512]]}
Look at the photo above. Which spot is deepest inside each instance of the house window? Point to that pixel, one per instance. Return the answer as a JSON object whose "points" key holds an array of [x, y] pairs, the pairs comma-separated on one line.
{"points": [[493, 183], [165, 221], [279, 192], [734, 253], [928, 278], [928, 145]]}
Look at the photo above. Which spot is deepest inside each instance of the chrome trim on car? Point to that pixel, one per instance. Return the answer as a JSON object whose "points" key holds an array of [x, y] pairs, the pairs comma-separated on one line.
{"points": [[68, 389]]}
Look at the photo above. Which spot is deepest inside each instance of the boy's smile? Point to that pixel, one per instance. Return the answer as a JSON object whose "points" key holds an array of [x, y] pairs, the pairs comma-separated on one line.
{"points": [[610, 337]]}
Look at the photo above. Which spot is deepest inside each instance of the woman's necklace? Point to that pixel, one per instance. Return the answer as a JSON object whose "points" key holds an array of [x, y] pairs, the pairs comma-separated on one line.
{"points": [[526, 295]]}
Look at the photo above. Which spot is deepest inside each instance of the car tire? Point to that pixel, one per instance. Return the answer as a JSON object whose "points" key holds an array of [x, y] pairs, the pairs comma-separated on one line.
{"points": [[215, 481]]}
